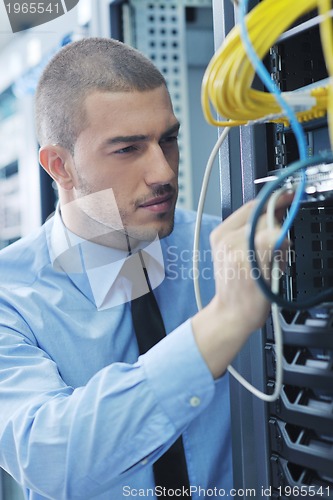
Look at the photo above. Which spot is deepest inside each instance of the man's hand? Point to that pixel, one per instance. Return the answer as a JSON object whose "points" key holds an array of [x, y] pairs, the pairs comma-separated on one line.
{"points": [[239, 307]]}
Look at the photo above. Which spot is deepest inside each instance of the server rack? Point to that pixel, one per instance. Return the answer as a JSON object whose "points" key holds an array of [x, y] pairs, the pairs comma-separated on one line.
{"points": [[285, 449]]}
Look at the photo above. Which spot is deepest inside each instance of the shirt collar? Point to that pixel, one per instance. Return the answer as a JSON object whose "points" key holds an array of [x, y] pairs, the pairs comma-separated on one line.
{"points": [[103, 265]]}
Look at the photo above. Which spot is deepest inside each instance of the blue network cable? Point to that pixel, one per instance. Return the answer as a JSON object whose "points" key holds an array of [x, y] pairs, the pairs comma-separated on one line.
{"points": [[295, 125], [263, 197]]}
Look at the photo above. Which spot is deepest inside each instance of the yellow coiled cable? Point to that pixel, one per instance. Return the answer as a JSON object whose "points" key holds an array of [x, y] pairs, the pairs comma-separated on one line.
{"points": [[227, 83], [326, 34]]}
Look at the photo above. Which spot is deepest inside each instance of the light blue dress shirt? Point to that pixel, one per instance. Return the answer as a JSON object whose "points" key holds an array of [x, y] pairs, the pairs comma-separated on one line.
{"points": [[82, 416]]}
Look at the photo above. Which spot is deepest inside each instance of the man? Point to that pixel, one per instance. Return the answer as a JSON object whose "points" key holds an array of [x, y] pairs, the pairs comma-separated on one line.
{"points": [[82, 416]]}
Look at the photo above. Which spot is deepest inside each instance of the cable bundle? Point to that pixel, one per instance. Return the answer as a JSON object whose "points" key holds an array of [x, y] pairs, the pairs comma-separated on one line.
{"points": [[326, 33], [227, 87], [227, 83]]}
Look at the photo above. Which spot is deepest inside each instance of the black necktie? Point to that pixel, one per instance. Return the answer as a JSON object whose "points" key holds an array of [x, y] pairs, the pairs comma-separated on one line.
{"points": [[170, 470]]}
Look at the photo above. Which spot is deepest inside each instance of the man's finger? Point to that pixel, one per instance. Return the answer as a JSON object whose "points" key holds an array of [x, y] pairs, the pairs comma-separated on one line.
{"points": [[237, 219]]}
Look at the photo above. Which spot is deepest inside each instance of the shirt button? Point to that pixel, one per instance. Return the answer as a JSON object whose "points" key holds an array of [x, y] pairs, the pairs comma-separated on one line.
{"points": [[144, 461], [195, 401]]}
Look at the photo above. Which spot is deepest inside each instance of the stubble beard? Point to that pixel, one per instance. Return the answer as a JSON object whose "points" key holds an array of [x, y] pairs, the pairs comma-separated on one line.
{"points": [[115, 228]]}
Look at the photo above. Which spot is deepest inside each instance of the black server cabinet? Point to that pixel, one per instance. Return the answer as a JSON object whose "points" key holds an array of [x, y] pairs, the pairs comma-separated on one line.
{"points": [[284, 449]]}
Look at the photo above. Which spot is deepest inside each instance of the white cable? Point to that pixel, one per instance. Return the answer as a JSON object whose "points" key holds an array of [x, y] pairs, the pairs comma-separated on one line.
{"points": [[275, 317], [278, 337], [275, 284], [201, 203]]}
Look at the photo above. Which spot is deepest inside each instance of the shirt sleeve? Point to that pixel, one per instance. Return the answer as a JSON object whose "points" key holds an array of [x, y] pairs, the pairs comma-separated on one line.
{"points": [[73, 443]]}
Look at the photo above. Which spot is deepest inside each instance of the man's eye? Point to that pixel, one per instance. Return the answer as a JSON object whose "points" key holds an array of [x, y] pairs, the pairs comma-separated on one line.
{"points": [[128, 149]]}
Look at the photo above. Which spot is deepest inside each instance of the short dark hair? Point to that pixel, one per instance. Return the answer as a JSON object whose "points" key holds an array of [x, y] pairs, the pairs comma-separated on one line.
{"points": [[78, 69]]}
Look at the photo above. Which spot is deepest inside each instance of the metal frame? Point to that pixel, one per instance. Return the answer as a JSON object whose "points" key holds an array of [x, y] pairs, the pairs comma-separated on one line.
{"points": [[239, 166]]}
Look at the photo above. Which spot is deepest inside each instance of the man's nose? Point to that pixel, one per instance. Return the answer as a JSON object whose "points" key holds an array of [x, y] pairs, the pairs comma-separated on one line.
{"points": [[160, 168]]}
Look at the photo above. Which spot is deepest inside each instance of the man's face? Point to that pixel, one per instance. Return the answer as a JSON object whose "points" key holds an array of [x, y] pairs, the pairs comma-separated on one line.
{"points": [[128, 149]]}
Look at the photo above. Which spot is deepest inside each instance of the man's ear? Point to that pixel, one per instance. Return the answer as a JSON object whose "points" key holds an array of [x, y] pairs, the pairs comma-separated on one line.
{"points": [[58, 163]]}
